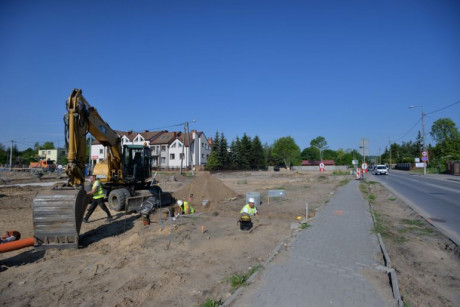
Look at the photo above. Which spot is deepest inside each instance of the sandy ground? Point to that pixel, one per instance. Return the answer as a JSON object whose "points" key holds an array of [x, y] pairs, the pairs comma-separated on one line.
{"points": [[186, 261], [169, 263]]}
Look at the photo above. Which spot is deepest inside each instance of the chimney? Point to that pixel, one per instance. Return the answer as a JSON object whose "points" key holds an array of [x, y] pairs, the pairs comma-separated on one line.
{"points": [[146, 131]]}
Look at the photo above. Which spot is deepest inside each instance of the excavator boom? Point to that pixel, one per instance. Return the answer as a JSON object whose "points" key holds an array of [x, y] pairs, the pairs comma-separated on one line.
{"points": [[58, 213], [80, 119]]}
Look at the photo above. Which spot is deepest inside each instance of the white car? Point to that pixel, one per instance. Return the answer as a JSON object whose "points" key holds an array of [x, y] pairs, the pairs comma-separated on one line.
{"points": [[381, 170]]}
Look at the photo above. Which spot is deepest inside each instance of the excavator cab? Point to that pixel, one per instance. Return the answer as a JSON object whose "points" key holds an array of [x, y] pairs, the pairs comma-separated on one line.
{"points": [[136, 163]]}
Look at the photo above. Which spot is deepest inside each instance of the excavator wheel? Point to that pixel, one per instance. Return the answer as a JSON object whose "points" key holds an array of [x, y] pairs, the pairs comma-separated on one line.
{"points": [[57, 217], [117, 199]]}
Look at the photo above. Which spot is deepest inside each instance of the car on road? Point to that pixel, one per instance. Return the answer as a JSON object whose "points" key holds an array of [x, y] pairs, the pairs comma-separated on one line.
{"points": [[381, 170]]}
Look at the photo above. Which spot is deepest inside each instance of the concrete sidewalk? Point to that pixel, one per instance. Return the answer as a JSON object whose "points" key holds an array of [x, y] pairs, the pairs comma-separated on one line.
{"points": [[328, 264]]}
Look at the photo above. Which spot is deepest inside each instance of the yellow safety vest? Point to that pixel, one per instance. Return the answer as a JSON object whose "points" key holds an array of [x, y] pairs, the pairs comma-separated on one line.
{"points": [[251, 211], [186, 205], [99, 192]]}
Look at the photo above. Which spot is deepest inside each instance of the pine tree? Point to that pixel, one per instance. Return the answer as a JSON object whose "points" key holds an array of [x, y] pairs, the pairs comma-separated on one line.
{"points": [[244, 151], [216, 149], [224, 152], [234, 154], [257, 154]]}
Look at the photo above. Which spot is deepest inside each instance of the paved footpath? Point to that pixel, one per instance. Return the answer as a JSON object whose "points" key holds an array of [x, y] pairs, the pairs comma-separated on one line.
{"points": [[325, 264]]}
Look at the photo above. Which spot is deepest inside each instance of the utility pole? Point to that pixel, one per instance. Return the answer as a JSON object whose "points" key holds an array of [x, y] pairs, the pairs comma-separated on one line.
{"points": [[183, 148], [190, 150], [11, 154], [389, 141], [424, 146], [423, 131]]}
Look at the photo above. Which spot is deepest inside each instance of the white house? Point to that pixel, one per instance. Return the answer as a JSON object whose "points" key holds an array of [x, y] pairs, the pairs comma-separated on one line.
{"points": [[168, 150]]}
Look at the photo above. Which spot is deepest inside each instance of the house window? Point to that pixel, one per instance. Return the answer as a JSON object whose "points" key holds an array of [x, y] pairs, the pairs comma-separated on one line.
{"points": [[163, 148], [49, 152], [163, 160], [181, 156], [171, 157], [207, 156], [179, 145], [202, 156], [101, 151], [202, 144], [173, 145]]}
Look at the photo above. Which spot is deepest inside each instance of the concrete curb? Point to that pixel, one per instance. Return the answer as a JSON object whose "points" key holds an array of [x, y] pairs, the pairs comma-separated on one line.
{"points": [[390, 271]]}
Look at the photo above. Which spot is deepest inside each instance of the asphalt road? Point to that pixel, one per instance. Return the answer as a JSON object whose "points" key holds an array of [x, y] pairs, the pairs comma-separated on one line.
{"points": [[436, 198]]}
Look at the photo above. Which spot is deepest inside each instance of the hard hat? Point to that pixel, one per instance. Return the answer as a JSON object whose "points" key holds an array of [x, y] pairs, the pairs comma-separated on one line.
{"points": [[179, 203], [251, 200]]}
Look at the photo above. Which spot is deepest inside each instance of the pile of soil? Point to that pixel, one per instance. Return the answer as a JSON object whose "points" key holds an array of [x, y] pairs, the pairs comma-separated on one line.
{"points": [[206, 187]]}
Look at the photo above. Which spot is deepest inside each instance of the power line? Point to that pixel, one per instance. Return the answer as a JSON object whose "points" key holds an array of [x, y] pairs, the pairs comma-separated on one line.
{"points": [[443, 108], [161, 128], [410, 130]]}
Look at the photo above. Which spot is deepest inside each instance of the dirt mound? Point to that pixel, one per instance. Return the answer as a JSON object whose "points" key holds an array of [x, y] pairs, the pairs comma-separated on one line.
{"points": [[206, 187]]}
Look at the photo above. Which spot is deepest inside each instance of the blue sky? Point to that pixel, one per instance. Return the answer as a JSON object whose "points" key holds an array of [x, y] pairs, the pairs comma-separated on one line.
{"points": [[345, 70]]}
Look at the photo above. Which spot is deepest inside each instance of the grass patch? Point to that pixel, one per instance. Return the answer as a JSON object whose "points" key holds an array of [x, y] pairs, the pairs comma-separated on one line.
{"points": [[344, 182], [398, 239], [279, 188], [304, 225], [372, 182], [392, 198], [371, 197], [363, 188], [413, 222], [380, 226], [211, 303], [244, 181], [238, 280]]}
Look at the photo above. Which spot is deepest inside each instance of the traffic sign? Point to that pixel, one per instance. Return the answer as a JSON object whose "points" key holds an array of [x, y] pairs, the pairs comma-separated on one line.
{"points": [[364, 166], [321, 167], [424, 159], [424, 153]]}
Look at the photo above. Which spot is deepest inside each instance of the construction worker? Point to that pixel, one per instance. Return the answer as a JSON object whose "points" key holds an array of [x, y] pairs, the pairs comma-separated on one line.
{"points": [[247, 212], [249, 208], [185, 207], [98, 199]]}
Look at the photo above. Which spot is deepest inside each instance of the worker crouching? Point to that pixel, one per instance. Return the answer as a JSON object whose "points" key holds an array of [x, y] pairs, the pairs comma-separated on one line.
{"points": [[185, 207], [247, 212]]}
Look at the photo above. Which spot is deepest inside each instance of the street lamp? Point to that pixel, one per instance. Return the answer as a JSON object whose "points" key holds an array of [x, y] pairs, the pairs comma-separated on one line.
{"points": [[423, 133]]}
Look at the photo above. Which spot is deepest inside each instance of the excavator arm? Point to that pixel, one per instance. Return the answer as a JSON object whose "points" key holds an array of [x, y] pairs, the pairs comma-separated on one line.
{"points": [[80, 119], [58, 213]]}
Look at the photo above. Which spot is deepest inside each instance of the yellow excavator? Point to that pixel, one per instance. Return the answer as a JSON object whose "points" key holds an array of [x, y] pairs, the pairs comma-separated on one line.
{"points": [[125, 176]]}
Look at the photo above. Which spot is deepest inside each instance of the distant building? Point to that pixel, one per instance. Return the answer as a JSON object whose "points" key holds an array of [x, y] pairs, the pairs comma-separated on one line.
{"points": [[170, 150]]}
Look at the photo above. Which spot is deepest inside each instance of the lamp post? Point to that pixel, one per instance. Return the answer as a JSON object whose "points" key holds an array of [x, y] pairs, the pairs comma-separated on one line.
{"points": [[423, 134]]}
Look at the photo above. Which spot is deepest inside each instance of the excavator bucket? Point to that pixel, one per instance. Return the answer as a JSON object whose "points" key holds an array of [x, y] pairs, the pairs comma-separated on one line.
{"points": [[57, 215]]}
